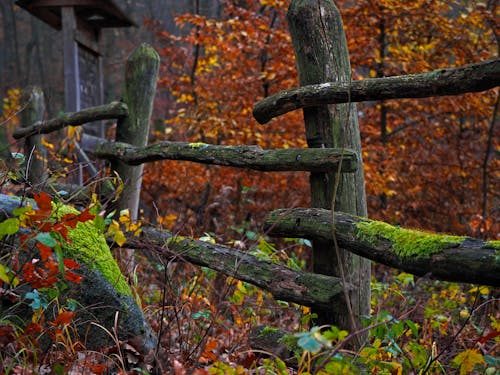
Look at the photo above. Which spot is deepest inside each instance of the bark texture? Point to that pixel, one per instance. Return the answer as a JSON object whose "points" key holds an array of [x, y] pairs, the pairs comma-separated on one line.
{"points": [[453, 81], [35, 154], [141, 74], [113, 110], [284, 283], [321, 51], [443, 257], [252, 157]]}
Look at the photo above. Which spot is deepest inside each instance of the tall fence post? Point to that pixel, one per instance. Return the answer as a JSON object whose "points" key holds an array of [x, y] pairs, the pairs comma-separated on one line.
{"points": [[141, 74], [35, 153], [322, 56]]}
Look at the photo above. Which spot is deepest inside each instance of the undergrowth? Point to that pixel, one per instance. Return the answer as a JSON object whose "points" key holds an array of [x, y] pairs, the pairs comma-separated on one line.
{"points": [[207, 323]]}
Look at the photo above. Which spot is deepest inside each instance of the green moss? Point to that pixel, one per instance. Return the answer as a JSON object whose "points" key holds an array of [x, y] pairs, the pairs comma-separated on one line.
{"points": [[89, 246], [198, 145], [406, 242], [267, 331], [493, 244]]}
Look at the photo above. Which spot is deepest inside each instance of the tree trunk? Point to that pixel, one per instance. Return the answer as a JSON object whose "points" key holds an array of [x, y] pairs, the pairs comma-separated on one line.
{"points": [[321, 50]]}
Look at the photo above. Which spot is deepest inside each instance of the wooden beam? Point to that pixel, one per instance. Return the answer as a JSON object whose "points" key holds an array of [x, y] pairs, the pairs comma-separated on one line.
{"points": [[453, 81]]}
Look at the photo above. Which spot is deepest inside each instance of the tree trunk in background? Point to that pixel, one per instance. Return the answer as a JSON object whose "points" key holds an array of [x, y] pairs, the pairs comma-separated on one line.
{"points": [[321, 50]]}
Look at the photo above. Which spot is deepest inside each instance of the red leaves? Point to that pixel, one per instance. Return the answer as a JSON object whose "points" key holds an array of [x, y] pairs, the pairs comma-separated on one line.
{"points": [[71, 220], [489, 336], [64, 318]]}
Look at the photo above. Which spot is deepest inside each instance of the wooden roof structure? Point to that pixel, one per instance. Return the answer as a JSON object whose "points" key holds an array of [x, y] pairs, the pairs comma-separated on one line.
{"points": [[94, 14]]}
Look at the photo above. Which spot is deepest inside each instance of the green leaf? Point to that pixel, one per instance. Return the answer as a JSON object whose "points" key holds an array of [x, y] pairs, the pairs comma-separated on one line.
{"points": [[413, 327], [9, 226], [7, 276], [18, 211], [201, 314], [46, 239], [310, 344], [492, 361]]}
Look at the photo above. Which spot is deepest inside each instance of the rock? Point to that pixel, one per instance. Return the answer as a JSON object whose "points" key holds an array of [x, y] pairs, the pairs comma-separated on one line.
{"points": [[102, 296]]}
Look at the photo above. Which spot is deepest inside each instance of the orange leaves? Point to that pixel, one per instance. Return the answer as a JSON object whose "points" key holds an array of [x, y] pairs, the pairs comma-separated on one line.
{"points": [[208, 354], [64, 318]]}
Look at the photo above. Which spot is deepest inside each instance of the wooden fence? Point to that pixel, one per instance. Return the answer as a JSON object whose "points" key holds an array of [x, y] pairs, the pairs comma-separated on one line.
{"points": [[329, 129]]}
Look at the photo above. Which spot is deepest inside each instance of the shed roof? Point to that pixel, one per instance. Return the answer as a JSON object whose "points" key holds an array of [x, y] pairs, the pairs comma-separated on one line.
{"points": [[96, 13]]}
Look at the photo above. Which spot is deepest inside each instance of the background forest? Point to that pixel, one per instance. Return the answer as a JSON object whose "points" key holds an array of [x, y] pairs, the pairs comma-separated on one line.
{"points": [[430, 164]]}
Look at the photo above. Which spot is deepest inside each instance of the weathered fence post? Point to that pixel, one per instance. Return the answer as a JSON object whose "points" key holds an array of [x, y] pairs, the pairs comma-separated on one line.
{"points": [[141, 74], [322, 56], [35, 153]]}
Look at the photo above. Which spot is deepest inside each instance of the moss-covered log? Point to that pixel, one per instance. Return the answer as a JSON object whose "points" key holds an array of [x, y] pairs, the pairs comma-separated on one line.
{"points": [[253, 157], [454, 81], [113, 110], [441, 256], [283, 282]]}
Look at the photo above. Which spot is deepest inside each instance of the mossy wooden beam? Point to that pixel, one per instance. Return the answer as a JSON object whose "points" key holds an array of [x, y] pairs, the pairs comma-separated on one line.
{"points": [[454, 81], [113, 110], [444, 257], [252, 157], [283, 282]]}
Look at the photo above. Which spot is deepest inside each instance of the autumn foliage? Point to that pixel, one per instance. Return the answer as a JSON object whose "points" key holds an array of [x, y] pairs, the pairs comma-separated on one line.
{"points": [[429, 163]]}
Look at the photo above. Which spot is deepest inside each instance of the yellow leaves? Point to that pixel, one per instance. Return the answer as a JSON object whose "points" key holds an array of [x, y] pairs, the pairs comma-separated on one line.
{"points": [[167, 221], [130, 226], [8, 276], [185, 98], [467, 360], [10, 107], [74, 132], [115, 232], [47, 144], [124, 221]]}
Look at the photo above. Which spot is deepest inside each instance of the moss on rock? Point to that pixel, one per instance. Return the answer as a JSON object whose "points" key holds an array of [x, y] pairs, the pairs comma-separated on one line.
{"points": [[406, 242], [89, 246]]}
